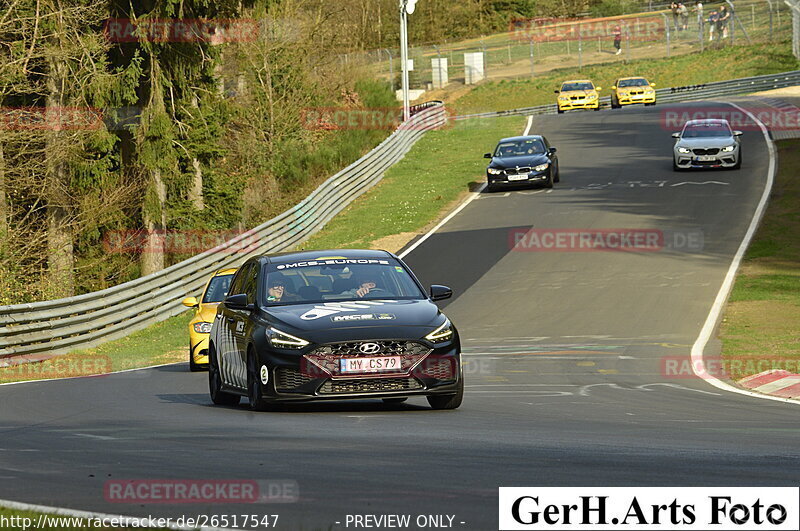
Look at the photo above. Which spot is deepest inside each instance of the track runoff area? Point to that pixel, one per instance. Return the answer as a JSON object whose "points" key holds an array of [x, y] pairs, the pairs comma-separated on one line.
{"points": [[590, 379]]}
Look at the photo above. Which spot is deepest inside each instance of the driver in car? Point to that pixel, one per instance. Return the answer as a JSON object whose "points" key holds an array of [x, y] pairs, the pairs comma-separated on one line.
{"points": [[367, 283]]}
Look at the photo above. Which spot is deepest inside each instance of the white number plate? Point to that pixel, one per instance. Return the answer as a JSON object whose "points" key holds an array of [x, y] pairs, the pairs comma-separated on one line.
{"points": [[520, 177], [705, 158], [376, 364]]}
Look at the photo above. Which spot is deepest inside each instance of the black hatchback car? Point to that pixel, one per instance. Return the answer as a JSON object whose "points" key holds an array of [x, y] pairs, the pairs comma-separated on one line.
{"points": [[522, 160], [332, 325]]}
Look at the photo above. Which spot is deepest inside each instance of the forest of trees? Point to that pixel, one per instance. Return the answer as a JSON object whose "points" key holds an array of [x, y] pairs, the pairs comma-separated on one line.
{"points": [[109, 132]]}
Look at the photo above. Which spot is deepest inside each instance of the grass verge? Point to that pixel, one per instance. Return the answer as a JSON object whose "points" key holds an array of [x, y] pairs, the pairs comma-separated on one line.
{"points": [[691, 69], [760, 327]]}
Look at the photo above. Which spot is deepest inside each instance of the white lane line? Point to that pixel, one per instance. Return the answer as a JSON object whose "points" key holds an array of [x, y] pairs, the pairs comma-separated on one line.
{"points": [[128, 521], [698, 363], [472, 197]]}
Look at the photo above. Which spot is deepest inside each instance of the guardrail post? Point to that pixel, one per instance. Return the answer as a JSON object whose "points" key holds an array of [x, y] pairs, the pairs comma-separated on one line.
{"points": [[666, 31], [580, 49], [769, 3], [391, 69], [531, 55]]}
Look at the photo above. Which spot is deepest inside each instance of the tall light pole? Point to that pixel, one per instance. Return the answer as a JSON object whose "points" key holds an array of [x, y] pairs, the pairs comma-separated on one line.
{"points": [[406, 8]]}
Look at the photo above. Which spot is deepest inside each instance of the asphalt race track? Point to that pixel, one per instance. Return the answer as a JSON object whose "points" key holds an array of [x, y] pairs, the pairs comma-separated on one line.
{"points": [[564, 357]]}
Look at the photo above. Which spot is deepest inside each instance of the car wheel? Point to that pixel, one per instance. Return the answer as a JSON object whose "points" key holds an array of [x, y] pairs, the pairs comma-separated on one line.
{"points": [[219, 397], [557, 178], [615, 105], [597, 108], [650, 104], [490, 188], [448, 401], [675, 166], [549, 182], [254, 397], [398, 400], [738, 161], [559, 110]]}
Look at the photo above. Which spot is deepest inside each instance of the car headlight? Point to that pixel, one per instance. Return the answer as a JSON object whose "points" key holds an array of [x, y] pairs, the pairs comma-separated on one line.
{"points": [[494, 171], [279, 339], [443, 333], [591, 96], [684, 150], [563, 98], [729, 148], [541, 167], [202, 328]]}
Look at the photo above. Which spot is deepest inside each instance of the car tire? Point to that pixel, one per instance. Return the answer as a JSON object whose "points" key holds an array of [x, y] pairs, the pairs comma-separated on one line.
{"points": [[597, 108], [615, 105], [559, 110], [219, 397], [490, 188], [254, 398], [675, 166], [193, 367], [557, 178], [549, 182], [738, 164], [650, 104], [395, 400], [448, 401]]}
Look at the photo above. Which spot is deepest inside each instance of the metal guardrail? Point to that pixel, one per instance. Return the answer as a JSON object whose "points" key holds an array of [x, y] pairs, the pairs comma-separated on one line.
{"points": [[732, 87], [44, 329]]}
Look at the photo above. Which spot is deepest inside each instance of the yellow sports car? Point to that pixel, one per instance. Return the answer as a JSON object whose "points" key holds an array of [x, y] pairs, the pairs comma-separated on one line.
{"points": [[629, 90], [200, 327], [578, 94]]}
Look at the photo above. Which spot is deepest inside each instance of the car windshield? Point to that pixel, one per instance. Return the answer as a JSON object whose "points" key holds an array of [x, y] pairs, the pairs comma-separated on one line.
{"points": [[566, 87], [218, 288], [706, 130], [519, 148], [339, 279], [633, 83]]}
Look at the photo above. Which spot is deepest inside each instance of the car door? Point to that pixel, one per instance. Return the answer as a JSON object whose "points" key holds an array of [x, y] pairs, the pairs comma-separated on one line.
{"points": [[240, 325], [552, 156], [227, 352]]}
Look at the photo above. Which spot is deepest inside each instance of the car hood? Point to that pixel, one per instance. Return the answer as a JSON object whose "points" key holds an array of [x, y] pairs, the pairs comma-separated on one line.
{"points": [[380, 319], [577, 93], [709, 142], [512, 162]]}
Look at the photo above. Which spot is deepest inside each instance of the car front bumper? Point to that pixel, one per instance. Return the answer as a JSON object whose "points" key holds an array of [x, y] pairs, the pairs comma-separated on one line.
{"points": [[198, 348], [633, 99], [531, 177], [295, 378], [719, 160], [579, 104]]}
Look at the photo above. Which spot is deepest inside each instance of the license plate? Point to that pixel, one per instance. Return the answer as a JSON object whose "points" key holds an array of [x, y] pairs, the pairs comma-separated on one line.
{"points": [[366, 365], [705, 158], [520, 177]]}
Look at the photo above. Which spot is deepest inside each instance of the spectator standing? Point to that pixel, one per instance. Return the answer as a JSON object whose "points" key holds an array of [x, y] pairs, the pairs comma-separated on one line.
{"points": [[683, 11], [674, 8], [713, 21], [724, 18], [617, 39], [698, 8]]}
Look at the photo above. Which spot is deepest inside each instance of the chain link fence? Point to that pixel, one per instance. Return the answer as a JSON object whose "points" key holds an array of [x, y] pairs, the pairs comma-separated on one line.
{"points": [[794, 6], [534, 46]]}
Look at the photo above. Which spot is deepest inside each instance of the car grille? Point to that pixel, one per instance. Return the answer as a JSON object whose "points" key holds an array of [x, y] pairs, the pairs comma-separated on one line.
{"points": [[324, 360], [288, 379], [369, 385], [518, 171], [710, 151], [636, 92]]}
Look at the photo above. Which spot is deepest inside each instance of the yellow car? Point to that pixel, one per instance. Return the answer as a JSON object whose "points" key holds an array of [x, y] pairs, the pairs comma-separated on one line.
{"points": [[578, 94], [200, 327], [629, 90]]}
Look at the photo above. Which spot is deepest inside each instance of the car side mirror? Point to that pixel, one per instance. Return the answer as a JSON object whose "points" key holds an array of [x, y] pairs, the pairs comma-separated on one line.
{"points": [[676, 135], [598, 89], [190, 302], [737, 133], [652, 84], [552, 150], [613, 87], [487, 155], [440, 293], [556, 92], [237, 302]]}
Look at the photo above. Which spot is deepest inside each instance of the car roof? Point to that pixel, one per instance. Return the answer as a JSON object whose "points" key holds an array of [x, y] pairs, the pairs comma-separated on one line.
{"points": [[323, 254], [577, 81], [226, 271], [708, 121], [517, 138], [632, 77]]}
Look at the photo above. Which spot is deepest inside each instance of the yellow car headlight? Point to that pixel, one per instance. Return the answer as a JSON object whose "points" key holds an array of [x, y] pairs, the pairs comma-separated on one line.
{"points": [[563, 98], [202, 328]]}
